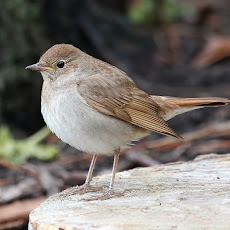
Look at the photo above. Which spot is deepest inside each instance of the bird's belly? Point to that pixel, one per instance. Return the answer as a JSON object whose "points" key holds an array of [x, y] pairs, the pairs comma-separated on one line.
{"points": [[86, 129]]}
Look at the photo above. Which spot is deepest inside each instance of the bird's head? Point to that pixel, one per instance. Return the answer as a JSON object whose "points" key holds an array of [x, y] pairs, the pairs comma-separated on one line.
{"points": [[59, 60]]}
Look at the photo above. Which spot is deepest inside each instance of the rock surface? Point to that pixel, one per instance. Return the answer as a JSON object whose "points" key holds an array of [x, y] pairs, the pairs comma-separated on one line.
{"points": [[184, 195]]}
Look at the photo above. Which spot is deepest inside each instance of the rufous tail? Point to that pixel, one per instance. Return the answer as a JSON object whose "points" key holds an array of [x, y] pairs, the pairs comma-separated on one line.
{"points": [[172, 106]]}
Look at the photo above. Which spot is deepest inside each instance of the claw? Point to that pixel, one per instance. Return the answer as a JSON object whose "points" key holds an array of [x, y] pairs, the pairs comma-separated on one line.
{"points": [[106, 196], [81, 190]]}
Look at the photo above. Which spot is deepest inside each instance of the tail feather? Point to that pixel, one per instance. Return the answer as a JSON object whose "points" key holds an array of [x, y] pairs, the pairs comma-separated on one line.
{"points": [[172, 106], [203, 102]]}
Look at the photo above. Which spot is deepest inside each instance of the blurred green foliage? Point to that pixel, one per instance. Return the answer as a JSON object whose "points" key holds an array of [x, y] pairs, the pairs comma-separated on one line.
{"points": [[154, 12], [18, 151]]}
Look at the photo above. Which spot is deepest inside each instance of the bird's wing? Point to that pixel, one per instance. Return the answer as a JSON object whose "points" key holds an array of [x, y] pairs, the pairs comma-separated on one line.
{"points": [[119, 97]]}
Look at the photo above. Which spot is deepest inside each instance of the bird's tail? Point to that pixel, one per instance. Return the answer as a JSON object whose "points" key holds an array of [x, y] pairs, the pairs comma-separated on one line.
{"points": [[172, 106]]}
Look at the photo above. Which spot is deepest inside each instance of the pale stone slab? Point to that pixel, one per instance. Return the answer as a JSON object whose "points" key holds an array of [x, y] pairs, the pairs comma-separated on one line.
{"points": [[184, 195]]}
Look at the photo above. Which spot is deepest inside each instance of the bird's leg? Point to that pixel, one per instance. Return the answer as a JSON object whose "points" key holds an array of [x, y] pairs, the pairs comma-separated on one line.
{"points": [[114, 170], [110, 191], [86, 185]]}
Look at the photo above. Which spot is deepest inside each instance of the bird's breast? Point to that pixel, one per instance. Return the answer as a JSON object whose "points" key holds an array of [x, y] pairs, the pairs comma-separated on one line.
{"points": [[83, 127]]}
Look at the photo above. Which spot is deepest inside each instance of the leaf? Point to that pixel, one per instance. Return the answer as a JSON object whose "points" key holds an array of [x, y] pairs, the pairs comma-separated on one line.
{"points": [[152, 11], [141, 11], [18, 151]]}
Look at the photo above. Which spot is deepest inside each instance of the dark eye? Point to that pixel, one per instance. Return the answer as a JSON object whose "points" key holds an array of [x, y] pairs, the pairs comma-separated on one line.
{"points": [[60, 64]]}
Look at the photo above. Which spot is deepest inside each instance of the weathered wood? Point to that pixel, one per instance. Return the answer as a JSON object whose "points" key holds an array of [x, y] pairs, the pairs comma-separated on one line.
{"points": [[184, 195]]}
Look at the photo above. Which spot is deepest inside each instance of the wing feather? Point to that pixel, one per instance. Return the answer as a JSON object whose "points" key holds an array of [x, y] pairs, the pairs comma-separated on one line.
{"points": [[118, 96]]}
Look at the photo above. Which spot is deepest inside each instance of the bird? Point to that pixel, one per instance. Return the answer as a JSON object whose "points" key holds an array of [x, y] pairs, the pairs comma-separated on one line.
{"points": [[98, 109]]}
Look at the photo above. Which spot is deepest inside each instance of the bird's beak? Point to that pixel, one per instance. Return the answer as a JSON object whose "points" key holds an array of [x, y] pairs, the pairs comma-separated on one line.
{"points": [[38, 67]]}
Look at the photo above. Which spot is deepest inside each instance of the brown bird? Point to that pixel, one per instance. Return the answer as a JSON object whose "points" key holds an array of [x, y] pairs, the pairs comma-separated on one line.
{"points": [[95, 107]]}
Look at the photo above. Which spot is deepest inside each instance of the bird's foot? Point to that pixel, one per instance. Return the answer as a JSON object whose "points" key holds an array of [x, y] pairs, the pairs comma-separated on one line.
{"points": [[81, 190], [106, 196]]}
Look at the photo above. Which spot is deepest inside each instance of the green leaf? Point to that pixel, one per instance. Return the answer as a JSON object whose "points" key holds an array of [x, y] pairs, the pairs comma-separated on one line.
{"points": [[18, 151], [151, 12], [142, 11]]}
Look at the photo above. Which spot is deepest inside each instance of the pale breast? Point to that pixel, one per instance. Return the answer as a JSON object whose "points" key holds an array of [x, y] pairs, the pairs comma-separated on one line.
{"points": [[83, 127]]}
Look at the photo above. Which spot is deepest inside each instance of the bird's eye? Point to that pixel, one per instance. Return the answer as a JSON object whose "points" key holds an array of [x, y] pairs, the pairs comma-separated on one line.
{"points": [[60, 64]]}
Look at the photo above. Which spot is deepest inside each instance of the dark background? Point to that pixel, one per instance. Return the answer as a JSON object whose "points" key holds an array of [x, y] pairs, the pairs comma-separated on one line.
{"points": [[156, 51], [175, 48]]}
